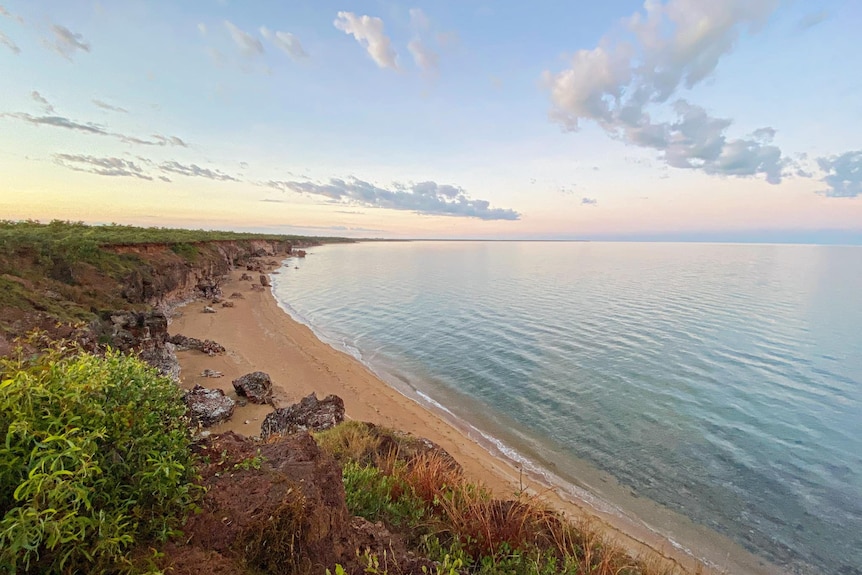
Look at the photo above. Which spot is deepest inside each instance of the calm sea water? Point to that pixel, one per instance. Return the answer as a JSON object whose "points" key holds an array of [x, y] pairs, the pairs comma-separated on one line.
{"points": [[723, 382]]}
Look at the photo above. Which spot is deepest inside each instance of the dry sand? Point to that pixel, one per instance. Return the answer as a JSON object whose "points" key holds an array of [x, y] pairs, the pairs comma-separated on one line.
{"points": [[260, 336]]}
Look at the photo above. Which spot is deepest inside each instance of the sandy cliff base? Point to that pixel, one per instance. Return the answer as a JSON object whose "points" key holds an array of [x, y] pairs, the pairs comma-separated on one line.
{"points": [[259, 336]]}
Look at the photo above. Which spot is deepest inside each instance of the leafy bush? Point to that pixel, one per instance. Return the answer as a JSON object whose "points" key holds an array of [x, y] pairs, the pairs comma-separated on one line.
{"points": [[94, 457]]}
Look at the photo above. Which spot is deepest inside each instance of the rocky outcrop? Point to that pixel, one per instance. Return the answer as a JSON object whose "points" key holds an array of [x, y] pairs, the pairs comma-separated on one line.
{"points": [[144, 333], [206, 346], [310, 414], [264, 281], [208, 406], [255, 386]]}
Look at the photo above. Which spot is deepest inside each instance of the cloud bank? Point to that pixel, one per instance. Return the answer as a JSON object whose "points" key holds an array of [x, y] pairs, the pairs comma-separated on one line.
{"points": [[423, 198], [368, 31], [667, 47], [112, 166]]}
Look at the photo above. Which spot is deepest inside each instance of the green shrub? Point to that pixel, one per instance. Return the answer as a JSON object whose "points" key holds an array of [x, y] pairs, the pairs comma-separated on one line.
{"points": [[94, 458]]}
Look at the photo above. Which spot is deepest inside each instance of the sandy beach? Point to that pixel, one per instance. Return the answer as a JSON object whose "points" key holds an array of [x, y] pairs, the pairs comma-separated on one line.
{"points": [[260, 336]]}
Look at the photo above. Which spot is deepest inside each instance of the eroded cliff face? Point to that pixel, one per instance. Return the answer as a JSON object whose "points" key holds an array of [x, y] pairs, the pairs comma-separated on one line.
{"points": [[126, 301], [166, 277]]}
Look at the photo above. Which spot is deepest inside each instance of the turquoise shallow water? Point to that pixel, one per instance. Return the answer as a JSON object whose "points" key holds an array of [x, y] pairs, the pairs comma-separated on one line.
{"points": [[723, 382]]}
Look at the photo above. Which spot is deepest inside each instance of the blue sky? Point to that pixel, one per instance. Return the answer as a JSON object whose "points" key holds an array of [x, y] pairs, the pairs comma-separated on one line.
{"points": [[683, 119]]}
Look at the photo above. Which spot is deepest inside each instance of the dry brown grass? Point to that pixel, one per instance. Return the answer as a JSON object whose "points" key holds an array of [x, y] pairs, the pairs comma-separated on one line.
{"points": [[465, 515], [359, 442], [275, 542]]}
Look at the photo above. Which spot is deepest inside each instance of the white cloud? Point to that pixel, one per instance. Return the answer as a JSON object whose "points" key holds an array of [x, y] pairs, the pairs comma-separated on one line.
{"points": [[424, 57], [843, 175], [202, 28], [668, 47], [66, 42], [286, 41], [248, 44], [368, 31]]}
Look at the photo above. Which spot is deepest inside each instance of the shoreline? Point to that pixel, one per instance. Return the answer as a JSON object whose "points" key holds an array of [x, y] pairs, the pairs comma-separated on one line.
{"points": [[259, 334]]}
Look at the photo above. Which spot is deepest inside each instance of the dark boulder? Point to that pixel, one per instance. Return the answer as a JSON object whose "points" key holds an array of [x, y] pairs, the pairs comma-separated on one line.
{"points": [[206, 346], [310, 414], [208, 406], [256, 386], [264, 281]]}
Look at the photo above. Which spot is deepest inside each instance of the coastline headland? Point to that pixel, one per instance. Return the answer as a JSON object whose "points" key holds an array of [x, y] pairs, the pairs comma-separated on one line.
{"points": [[140, 296]]}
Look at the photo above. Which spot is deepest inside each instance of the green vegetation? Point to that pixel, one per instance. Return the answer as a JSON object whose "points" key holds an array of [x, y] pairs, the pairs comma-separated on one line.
{"points": [[87, 238], [378, 496], [458, 523], [255, 462], [94, 459], [66, 272]]}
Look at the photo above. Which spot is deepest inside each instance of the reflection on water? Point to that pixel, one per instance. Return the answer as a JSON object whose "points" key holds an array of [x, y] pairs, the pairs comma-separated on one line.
{"points": [[722, 381]]}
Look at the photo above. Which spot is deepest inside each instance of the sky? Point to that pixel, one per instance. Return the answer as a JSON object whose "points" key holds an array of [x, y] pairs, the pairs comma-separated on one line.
{"points": [[699, 120]]}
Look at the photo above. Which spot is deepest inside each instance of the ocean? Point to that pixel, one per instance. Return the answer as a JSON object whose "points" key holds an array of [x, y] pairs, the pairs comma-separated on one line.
{"points": [[721, 382]]}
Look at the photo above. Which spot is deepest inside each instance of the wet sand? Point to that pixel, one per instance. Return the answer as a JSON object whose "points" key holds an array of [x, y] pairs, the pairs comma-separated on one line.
{"points": [[260, 336]]}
